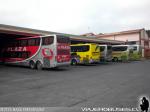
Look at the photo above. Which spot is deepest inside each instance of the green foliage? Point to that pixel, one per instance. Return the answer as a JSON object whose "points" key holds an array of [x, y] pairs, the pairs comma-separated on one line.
{"points": [[124, 58]]}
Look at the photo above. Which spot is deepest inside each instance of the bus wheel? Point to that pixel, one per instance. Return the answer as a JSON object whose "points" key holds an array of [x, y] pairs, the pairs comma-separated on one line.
{"points": [[32, 65], [73, 62], [115, 59], [39, 65]]}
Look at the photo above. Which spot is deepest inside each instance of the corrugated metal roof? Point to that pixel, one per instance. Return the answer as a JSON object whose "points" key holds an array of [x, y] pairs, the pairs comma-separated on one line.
{"points": [[29, 31]]}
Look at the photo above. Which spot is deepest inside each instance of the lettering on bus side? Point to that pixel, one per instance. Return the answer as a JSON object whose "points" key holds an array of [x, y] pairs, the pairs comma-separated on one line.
{"points": [[17, 49], [62, 46]]}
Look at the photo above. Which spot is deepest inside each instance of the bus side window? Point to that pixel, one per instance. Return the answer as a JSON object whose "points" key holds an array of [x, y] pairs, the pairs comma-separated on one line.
{"points": [[47, 40], [12, 55], [15, 43], [23, 43], [31, 42], [19, 55], [25, 55], [37, 41]]}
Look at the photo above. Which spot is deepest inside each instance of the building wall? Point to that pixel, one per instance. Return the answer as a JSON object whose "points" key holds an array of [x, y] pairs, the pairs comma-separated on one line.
{"points": [[108, 37], [145, 43], [128, 37], [123, 37]]}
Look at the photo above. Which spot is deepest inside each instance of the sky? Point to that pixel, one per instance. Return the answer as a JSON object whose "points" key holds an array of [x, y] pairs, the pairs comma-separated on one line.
{"points": [[76, 16]]}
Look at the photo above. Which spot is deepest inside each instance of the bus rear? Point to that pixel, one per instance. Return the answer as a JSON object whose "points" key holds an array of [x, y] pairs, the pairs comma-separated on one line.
{"points": [[63, 50]]}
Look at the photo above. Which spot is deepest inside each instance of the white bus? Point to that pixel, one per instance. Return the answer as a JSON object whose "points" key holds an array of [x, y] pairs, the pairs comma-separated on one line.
{"points": [[37, 52], [105, 52]]}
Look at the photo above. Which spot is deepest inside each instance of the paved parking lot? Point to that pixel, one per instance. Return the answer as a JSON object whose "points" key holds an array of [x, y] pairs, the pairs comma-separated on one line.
{"points": [[111, 84]]}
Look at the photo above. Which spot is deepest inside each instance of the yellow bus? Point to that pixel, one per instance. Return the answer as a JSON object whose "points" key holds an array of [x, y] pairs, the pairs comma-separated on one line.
{"points": [[122, 52], [85, 53]]}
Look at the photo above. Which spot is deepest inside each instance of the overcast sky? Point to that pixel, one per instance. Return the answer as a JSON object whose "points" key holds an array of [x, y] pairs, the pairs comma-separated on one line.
{"points": [[76, 16]]}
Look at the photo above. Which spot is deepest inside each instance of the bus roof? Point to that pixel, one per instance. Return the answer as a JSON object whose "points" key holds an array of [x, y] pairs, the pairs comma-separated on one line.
{"points": [[104, 45], [120, 45], [135, 45], [83, 44]]}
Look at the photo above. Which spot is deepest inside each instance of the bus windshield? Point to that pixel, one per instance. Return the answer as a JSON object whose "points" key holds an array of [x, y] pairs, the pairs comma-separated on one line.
{"points": [[120, 48], [84, 48]]}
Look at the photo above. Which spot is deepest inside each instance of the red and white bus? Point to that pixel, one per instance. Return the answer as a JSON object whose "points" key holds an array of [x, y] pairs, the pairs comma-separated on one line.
{"points": [[37, 52]]}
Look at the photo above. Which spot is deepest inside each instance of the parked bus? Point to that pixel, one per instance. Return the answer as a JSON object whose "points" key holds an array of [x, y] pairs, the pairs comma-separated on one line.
{"points": [[137, 52], [85, 53], [122, 52], [105, 52], [38, 52]]}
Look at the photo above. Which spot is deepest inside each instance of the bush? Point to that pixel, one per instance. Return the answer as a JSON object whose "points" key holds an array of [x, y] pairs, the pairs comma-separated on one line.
{"points": [[124, 58]]}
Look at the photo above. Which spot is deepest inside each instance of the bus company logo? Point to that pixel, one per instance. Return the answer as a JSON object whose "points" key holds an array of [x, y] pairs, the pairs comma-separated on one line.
{"points": [[16, 49], [143, 106], [48, 53], [63, 47]]}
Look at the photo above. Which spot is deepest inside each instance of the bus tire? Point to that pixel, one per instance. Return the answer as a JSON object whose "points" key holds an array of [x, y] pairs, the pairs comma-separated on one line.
{"points": [[32, 65], [73, 62], [39, 65]]}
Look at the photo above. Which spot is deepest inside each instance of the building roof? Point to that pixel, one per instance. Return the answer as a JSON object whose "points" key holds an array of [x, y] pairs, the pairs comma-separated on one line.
{"points": [[28, 31], [88, 34], [120, 33]]}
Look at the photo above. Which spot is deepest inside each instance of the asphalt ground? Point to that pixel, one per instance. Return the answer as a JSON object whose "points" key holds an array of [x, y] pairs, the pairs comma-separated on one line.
{"points": [[98, 85]]}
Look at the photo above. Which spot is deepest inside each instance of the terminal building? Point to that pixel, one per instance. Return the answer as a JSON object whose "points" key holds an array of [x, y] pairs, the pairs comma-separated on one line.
{"points": [[8, 32], [138, 36]]}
